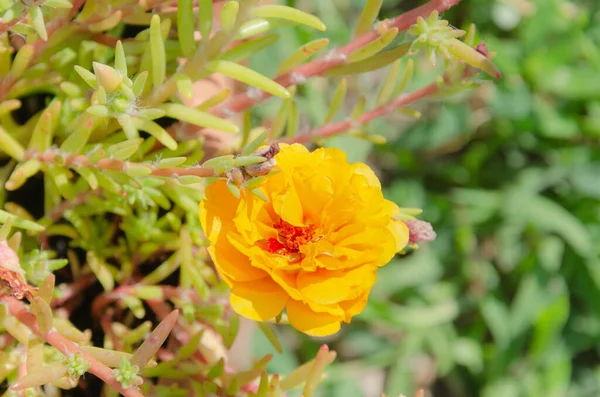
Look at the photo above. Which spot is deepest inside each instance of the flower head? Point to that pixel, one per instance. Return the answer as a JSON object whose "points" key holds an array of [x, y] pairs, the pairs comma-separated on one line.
{"points": [[313, 248]]}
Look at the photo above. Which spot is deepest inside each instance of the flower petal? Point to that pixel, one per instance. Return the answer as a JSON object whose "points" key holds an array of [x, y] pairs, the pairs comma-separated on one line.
{"points": [[217, 209], [259, 300], [328, 287], [355, 306], [364, 170], [315, 324], [401, 234], [288, 206]]}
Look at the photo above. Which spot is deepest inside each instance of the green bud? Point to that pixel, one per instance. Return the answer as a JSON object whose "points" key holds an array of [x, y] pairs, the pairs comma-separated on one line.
{"points": [[98, 110], [76, 365], [107, 77]]}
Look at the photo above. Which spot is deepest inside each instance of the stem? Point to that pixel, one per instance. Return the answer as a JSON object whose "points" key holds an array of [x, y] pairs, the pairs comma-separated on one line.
{"points": [[339, 127], [80, 160], [336, 58], [65, 346], [4, 26]]}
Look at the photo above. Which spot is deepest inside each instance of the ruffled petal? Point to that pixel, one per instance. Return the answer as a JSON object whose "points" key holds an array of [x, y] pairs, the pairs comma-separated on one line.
{"points": [[259, 300], [233, 263], [315, 324], [328, 287], [217, 209], [401, 234]]}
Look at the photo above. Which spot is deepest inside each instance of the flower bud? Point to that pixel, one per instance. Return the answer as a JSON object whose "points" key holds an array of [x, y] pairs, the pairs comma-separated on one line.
{"points": [[265, 167], [107, 77], [420, 231]]}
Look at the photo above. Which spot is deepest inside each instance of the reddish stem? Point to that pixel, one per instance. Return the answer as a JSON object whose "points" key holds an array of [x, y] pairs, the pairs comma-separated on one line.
{"points": [[317, 67], [65, 346], [336, 128]]}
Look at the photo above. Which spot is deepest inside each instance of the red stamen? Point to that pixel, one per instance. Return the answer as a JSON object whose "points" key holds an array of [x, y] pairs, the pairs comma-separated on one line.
{"points": [[273, 245]]}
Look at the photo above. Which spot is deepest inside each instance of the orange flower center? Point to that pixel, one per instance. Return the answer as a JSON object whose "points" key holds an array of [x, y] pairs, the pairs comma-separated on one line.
{"points": [[290, 238]]}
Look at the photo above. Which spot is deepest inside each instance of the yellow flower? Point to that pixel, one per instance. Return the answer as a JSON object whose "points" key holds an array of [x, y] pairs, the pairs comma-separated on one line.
{"points": [[313, 249]]}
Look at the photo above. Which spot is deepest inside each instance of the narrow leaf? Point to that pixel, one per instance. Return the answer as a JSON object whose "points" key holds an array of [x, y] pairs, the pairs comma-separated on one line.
{"points": [[43, 314], [205, 14], [87, 76], [101, 271], [301, 55], [107, 23], [255, 144], [155, 340], [248, 76], [373, 47], [11, 146], [270, 335], [197, 117], [472, 57], [288, 13], [21, 61], [156, 131], [46, 375], [387, 88], [157, 48], [249, 48], [367, 17], [407, 76], [120, 63], [373, 63], [337, 101], [185, 27], [229, 15], [37, 20]]}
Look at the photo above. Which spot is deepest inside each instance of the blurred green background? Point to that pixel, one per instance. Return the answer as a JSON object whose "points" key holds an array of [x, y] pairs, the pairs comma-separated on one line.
{"points": [[506, 301]]}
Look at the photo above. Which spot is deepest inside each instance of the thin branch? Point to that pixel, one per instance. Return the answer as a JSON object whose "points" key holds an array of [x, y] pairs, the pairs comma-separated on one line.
{"points": [[66, 346], [339, 127], [5, 26], [107, 164], [334, 59]]}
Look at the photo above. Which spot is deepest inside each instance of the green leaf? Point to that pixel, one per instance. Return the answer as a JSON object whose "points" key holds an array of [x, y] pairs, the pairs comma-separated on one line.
{"points": [[154, 341], [185, 86], [373, 63], [301, 55], [20, 222], [87, 76], [288, 13], [100, 269], [157, 49], [229, 15], [551, 217], [389, 84], [107, 23], [367, 17], [373, 47], [249, 48], [43, 131], [120, 63], [197, 117], [37, 20], [271, 336], [248, 76], [156, 131], [255, 144], [11, 146], [205, 16], [185, 27], [125, 149], [21, 61], [337, 101]]}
